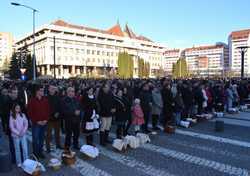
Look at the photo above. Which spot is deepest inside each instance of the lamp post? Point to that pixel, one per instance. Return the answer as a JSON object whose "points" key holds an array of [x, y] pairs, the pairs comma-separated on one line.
{"points": [[243, 50], [33, 56]]}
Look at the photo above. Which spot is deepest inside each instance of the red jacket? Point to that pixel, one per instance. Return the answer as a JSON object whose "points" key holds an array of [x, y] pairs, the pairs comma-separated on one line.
{"points": [[38, 110]]}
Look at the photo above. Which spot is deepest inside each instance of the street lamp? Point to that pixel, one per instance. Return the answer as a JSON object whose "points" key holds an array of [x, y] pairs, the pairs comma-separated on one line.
{"points": [[243, 50], [33, 56]]}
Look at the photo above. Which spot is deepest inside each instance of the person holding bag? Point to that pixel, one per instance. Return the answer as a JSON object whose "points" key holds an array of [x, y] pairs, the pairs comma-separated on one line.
{"points": [[89, 123], [18, 126]]}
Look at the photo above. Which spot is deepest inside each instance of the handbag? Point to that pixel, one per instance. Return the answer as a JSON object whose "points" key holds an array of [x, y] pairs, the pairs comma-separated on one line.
{"points": [[96, 124], [89, 125]]}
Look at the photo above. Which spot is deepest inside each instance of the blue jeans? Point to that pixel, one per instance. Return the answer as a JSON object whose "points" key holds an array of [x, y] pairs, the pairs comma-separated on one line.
{"points": [[177, 118], [38, 134], [23, 141]]}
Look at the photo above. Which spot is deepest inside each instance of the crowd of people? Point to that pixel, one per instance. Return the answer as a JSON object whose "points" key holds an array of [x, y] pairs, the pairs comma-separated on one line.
{"points": [[89, 106]]}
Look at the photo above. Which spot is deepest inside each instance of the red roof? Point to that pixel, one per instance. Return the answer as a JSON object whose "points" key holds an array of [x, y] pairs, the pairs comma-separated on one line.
{"points": [[204, 47], [65, 24], [130, 33], [141, 37], [115, 30], [172, 51], [240, 34]]}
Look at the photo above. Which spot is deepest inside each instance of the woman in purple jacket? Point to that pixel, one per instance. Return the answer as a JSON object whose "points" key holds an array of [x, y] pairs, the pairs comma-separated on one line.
{"points": [[18, 126]]}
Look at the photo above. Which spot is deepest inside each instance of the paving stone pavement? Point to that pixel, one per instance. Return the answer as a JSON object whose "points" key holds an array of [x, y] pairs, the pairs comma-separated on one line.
{"points": [[197, 151]]}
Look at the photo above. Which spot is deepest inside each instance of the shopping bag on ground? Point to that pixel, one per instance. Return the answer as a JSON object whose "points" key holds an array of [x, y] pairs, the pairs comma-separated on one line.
{"points": [[90, 151], [31, 166], [133, 141], [144, 138], [119, 144]]}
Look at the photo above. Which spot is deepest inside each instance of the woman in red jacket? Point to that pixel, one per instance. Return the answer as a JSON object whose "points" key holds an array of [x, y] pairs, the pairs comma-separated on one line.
{"points": [[38, 112]]}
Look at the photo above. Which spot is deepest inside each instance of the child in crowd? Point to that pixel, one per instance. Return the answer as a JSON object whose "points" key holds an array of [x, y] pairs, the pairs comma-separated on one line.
{"points": [[18, 126], [137, 114]]}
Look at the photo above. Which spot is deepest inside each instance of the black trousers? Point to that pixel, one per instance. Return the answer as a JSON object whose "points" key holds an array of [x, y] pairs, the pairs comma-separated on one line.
{"points": [[146, 119], [72, 129], [120, 131]]}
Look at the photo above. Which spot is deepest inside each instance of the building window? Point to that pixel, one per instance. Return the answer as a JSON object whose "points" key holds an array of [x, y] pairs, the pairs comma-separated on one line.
{"points": [[98, 52], [88, 51]]}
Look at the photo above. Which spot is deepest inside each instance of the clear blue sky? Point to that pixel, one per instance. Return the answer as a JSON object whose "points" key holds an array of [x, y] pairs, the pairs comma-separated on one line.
{"points": [[176, 23]]}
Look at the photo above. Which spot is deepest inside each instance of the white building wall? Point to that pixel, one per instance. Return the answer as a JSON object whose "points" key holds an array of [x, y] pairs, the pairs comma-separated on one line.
{"points": [[235, 55], [87, 48]]}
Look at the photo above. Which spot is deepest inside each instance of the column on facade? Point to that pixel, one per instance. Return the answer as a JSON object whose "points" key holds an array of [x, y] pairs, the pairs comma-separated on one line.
{"points": [[78, 71], [73, 70], [84, 70], [61, 70], [48, 69], [57, 72], [43, 70]]}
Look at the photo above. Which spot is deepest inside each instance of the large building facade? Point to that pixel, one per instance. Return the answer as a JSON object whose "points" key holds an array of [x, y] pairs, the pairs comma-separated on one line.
{"points": [[170, 58], [208, 60], [6, 48], [211, 60], [238, 39], [80, 50]]}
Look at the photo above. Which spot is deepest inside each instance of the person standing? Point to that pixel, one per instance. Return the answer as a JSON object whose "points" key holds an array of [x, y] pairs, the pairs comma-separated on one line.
{"points": [[120, 114], [39, 112], [71, 112], [168, 105], [146, 104], [107, 109], [128, 99], [18, 126], [90, 111], [156, 107], [8, 104], [138, 116], [4, 111], [54, 119]]}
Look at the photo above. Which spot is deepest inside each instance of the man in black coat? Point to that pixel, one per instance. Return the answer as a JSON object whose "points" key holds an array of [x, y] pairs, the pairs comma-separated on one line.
{"points": [[71, 113], [168, 105], [146, 105], [188, 100], [54, 120], [4, 111], [107, 109]]}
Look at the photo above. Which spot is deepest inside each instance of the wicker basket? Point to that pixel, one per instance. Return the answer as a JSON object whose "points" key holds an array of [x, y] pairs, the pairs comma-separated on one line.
{"points": [[37, 172], [55, 167], [68, 158], [170, 129]]}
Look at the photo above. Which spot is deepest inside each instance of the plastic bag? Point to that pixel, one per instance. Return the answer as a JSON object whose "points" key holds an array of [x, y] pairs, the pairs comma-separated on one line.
{"points": [[89, 125], [119, 144], [96, 124], [144, 138], [29, 166], [90, 151], [133, 141]]}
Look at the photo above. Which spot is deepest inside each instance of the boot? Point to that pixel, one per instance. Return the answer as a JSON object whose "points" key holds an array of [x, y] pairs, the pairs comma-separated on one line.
{"points": [[118, 134], [107, 137], [89, 140], [102, 138], [154, 123]]}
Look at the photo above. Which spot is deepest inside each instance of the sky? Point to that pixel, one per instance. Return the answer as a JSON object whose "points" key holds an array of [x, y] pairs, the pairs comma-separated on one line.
{"points": [[175, 23]]}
